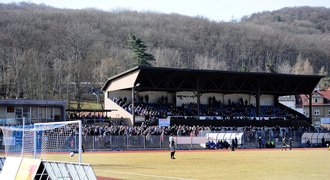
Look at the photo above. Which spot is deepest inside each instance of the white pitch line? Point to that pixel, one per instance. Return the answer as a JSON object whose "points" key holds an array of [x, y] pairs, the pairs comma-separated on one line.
{"points": [[147, 175]]}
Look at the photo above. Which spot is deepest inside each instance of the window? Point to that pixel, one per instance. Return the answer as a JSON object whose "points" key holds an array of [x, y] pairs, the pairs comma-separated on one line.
{"points": [[26, 114], [42, 113], [3, 112], [49, 114], [317, 112], [315, 100], [18, 112], [329, 112], [57, 114], [10, 109], [34, 113]]}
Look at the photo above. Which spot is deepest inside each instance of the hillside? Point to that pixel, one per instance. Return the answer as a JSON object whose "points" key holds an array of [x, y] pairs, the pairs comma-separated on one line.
{"points": [[302, 20], [47, 52]]}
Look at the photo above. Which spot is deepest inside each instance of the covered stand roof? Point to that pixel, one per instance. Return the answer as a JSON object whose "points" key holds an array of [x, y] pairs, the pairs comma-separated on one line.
{"points": [[203, 81]]}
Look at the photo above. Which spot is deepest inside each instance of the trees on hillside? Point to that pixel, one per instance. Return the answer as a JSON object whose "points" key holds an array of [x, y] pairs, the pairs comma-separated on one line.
{"points": [[325, 82], [49, 53]]}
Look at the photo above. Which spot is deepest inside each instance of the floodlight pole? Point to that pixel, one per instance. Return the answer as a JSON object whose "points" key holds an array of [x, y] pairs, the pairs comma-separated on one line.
{"points": [[80, 141], [97, 99]]}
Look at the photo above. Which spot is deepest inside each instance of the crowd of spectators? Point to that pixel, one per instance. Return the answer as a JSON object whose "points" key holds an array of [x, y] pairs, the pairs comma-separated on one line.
{"points": [[105, 130], [214, 109], [100, 117], [183, 130], [163, 109]]}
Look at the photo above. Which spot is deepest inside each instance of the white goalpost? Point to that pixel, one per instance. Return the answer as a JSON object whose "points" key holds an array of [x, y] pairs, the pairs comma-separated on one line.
{"points": [[44, 140]]}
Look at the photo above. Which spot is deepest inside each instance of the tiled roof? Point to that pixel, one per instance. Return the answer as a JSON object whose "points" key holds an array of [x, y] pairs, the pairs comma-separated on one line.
{"points": [[323, 93]]}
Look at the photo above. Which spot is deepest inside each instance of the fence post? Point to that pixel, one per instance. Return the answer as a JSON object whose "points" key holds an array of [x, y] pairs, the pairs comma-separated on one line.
{"points": [[161, 138], [144, 143], [93, 142], [110, 141], [127, 141]]}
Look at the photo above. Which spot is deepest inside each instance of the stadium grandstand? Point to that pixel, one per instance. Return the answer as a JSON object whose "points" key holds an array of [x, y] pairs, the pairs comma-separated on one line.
{"points": [[167, 96]]}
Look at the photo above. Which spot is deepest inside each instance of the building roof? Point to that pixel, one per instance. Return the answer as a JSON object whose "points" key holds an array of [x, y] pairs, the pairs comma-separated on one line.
{"points": [[322, 94], [31, 102], [325, 93], [203, 81]]}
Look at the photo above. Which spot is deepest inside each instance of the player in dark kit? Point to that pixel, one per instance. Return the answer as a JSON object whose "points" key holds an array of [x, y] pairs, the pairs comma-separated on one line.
{"points": [[172, 147]]}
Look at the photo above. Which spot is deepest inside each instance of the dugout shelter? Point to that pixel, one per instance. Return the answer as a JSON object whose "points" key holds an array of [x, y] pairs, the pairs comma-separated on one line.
{"points": [[196, 84]]}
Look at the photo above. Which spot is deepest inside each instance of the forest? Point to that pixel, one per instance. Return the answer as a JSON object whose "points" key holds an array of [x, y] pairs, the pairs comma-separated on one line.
{"points": [[51, 53]]}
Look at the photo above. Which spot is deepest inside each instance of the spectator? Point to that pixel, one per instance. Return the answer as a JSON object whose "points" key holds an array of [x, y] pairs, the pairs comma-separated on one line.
{"points": [[233, 145], [236, 142], [323, 142], [308, 143], [290, 143], [260, 142]]}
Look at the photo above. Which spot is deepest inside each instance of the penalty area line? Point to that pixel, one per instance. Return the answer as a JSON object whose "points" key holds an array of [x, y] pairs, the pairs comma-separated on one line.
{"points": [[146, 175]]}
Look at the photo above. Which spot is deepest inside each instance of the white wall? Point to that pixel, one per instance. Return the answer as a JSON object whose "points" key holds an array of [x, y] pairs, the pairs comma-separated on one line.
{"points": [[265, 100], [189, 97], [290, 104], [185, 97], [155, 95], [234, 98], [205, 97]]}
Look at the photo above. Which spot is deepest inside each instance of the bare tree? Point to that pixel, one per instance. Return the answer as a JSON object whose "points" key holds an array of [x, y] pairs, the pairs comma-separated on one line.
{"points": [[166, 57], [285, 68], [302, 66], [203, 62], [80, 37], [325, 82]]}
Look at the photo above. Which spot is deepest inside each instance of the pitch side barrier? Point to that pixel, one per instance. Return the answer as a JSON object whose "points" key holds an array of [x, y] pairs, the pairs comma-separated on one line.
{"points": [[187, 142], [26, 168]]}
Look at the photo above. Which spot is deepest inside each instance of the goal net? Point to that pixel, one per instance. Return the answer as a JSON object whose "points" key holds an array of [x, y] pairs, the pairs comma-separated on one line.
{"points": [[49, 141]]}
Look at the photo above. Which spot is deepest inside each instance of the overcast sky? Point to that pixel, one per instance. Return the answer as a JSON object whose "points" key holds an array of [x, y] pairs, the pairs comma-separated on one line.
{"points": [[218, 10]]}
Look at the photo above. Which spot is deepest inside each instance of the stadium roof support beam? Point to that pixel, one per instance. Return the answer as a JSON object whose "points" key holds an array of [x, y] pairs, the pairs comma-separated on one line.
{"points": [[310, 98], [258, 100], [198, 95]]}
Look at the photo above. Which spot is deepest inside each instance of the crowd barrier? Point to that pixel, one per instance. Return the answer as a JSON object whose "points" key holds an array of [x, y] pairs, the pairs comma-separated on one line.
{"points": [[127, 142], [140, 142]]}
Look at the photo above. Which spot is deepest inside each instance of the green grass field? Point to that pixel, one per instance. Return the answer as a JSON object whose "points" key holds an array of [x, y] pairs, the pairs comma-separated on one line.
{"points": [[217, 164]]}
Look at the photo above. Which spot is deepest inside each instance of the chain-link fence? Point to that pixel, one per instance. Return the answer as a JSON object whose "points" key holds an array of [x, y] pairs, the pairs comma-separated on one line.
{"points": [[250, 139], [127, 142]]}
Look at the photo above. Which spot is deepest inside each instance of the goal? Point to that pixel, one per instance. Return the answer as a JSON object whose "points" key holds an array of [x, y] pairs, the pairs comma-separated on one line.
{"points": [[49, 141]]}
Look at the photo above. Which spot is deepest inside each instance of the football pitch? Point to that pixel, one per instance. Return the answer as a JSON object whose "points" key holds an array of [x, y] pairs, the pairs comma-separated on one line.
{"points": [[212, 164], [302, 163]]}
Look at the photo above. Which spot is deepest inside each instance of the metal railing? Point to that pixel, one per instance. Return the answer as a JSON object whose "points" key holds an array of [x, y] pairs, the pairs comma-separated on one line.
{"points": [[150, 142]]}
